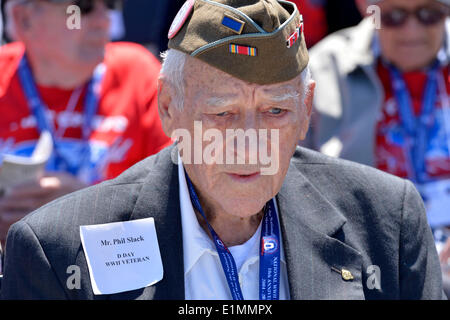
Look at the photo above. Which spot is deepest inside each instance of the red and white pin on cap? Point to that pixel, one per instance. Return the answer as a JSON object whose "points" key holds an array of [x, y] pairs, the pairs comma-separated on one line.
{"points": [[181, 18]]}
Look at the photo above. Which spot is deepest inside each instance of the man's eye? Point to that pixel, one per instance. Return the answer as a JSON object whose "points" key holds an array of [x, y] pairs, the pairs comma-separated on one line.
{"points": [[222, 114], [275, 111]]}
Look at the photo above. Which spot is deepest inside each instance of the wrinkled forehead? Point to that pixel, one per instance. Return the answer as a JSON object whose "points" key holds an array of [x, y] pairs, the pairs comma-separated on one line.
{"points": [[206, 79]]}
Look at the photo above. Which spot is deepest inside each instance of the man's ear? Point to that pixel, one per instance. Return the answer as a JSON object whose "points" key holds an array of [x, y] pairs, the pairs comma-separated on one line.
{"points": [[166, 105], [19, 23], [308, 103]]}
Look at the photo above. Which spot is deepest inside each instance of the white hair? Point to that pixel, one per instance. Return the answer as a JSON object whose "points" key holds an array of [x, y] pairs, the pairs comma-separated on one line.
{"points": [[173, 70]]}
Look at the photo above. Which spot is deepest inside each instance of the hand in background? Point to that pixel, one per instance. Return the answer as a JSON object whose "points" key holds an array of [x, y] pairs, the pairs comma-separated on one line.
{"points": [[22, 199]]}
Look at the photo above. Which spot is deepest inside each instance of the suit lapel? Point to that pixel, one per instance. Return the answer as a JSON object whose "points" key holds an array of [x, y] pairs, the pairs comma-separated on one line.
{"points": [[313, 256], [159, 198]]}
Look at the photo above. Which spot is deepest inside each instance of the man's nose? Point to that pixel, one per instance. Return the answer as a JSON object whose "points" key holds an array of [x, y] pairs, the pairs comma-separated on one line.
{"points": [[249, 124], [249, 119], [412, 27]]}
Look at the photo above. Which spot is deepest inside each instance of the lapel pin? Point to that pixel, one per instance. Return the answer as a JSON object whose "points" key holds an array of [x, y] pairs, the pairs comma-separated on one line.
{"points": [[346, 274]]}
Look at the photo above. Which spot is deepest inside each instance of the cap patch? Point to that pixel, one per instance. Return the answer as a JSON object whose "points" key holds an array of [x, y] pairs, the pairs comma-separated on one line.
{"points": [[233, 24]]}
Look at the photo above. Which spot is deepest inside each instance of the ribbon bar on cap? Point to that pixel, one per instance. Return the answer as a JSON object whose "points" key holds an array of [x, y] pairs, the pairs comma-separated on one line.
{"points": [[245, 50], [295, 35]]}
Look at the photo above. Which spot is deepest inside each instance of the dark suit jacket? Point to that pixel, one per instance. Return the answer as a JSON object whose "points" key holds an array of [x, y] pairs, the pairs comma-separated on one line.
{"points": [[333, 214]]}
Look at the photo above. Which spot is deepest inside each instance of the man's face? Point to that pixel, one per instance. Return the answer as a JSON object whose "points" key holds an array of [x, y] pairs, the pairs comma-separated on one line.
{"points": [[413, 45], [222, 102], [78, 48]]}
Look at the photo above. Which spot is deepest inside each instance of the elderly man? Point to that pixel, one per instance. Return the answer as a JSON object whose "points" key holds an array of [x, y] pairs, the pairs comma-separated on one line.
{"points": [[383, 99], [210, 217], [98, 100]]}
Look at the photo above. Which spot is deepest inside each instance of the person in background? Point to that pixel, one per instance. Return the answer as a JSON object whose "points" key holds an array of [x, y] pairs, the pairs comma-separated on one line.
{"points": [[98, 100], [382, 99]]}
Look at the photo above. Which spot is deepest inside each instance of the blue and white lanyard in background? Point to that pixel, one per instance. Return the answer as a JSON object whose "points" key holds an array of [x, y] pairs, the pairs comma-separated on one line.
{"points": [[40, 110], [269, 262], [416, 128]]}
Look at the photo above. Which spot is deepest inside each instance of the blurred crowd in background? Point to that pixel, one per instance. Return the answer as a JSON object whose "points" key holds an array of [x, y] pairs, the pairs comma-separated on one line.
{"points": [[147, 23]]}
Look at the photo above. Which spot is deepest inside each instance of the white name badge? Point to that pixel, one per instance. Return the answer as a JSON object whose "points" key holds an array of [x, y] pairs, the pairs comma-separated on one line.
{"points": [[437, 202], [122, 256]]}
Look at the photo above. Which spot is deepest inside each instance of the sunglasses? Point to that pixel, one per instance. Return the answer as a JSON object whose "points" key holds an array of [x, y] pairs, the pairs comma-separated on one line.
{"points": [[427, 16]]}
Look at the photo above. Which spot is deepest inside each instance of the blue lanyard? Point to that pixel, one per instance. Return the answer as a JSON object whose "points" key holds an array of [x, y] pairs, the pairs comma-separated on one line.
{"points": [[39, 109], [416, 128], [269, 262]]}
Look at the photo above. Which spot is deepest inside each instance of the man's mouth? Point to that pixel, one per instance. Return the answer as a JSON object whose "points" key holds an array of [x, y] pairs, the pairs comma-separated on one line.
{"points": [[412, 44], [244, 177]]}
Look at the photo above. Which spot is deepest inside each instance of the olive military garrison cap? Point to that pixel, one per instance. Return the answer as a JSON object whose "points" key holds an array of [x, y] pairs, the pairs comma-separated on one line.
{"points": [[258, 41]]}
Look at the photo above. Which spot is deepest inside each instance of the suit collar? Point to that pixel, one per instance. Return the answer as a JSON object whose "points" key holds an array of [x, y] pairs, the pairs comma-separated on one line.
{"points": [[308, 223], [301, 201]]}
